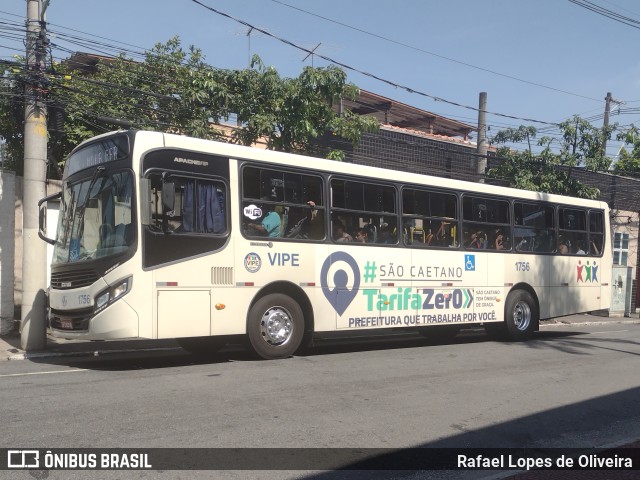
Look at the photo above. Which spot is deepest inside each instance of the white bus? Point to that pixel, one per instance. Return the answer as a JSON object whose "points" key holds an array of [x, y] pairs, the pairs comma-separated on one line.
{"points": [[165, 236]]}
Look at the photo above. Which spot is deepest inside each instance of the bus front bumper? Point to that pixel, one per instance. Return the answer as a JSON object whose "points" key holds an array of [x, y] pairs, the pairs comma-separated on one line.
{"points": [[118, 321]]}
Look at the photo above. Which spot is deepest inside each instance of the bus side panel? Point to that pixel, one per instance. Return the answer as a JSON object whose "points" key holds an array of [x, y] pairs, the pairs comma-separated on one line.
{"points": [[575, 285], [533, 271]]}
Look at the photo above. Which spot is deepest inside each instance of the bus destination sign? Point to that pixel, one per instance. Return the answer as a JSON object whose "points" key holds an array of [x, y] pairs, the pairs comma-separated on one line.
{"points": [[97, 153]]}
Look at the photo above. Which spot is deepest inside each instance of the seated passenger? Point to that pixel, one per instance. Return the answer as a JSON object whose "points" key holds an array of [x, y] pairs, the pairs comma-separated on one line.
{"points": [[269, 226], [477, 240], [339, 234], [498, 242], [563, 247], [362, 235]]}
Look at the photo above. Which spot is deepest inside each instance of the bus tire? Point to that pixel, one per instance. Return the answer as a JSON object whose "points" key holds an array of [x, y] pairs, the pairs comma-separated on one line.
{"points": [[439, 333], [521, 315], [202, 346], [275, 326]]}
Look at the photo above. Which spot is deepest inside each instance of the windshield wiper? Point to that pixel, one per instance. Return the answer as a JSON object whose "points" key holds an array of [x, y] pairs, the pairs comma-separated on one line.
{"points": [[96, 174]]}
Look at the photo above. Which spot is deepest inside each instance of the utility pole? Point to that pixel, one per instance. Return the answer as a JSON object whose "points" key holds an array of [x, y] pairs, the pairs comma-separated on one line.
{"points": [[34, 252], [607, 109], [481, 148]]}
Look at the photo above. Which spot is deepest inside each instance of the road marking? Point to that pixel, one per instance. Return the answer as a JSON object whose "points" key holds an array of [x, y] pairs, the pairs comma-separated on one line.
{"points": [[43, 373], [611, 331]]}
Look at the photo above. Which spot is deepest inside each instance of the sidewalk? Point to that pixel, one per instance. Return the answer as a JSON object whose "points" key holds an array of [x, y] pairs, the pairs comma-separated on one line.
{"points": [[10, 344]]}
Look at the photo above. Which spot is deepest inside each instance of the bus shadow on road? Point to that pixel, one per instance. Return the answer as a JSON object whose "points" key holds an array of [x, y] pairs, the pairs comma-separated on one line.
{"points": [[160, 358]]}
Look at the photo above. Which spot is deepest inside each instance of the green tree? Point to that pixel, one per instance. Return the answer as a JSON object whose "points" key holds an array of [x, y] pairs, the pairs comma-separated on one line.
{"points": [[290, 114], [175, 91], [12, 113], [550, 168], [629, 162]]}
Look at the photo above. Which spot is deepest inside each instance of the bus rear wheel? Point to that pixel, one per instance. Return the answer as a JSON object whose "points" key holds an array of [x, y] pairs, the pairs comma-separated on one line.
{"points": [[521, 318], [275, 326]]}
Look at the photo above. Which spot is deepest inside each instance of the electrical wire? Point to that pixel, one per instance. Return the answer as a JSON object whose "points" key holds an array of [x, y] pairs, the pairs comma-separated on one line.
{"points": [[421, 50], [631, 22], [362, 72]]}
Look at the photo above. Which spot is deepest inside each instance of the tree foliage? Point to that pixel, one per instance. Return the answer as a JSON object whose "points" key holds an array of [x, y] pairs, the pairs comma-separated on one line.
{"points": [[550, 168], [11, 113], [628, 163], [176, 91]]}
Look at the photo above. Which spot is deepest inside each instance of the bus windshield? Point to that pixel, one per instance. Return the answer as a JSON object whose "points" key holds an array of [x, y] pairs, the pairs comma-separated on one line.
{"points": [[95, 217]]}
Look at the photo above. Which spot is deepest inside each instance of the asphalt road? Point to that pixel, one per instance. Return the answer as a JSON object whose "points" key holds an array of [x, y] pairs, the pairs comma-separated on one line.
{"points": [[572, 386]]}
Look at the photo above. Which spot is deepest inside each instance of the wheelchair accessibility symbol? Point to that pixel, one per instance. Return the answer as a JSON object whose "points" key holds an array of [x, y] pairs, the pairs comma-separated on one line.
{"points": [[470, 263]]}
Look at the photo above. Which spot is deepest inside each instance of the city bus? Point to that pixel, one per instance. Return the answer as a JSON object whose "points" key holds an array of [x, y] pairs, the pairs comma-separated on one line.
{"points": [[165, 236]]}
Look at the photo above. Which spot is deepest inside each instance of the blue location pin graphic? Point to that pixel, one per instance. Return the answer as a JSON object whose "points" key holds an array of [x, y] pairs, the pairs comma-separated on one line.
{"points": [[339, 297]]}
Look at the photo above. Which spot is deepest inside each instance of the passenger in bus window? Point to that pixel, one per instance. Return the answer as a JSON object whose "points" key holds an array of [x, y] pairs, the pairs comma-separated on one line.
{"points": [[363, 235], [366, 234], [304, 222], [338, 232], [386, 234], [564, 247], [595, 250], [477, 240], [269, 226], [445, 235], [498, 242], [429, 237], [580, 250]]}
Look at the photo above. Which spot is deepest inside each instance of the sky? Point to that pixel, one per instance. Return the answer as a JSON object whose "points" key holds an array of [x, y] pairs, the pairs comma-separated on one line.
{"points": [[542, 60]]}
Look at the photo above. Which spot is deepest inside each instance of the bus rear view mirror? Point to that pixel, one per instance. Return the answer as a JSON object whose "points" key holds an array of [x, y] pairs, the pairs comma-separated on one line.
{"points": [[168, 196], [42, 217]]}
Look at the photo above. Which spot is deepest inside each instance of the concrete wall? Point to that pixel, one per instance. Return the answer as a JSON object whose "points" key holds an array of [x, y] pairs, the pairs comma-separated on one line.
{"points": [[11, 245], [7, 252]]}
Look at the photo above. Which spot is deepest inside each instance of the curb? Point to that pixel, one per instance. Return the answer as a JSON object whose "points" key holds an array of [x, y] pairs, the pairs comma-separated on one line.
{"points": [[559, 323], [93, 353]]}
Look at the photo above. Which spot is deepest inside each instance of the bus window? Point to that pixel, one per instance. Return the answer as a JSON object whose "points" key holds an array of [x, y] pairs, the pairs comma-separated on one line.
{"points": [[596, 233], [429, 218], [199, 206], [486, 223], [534, 228], [296, 199], [364, 208], [573, 230]]}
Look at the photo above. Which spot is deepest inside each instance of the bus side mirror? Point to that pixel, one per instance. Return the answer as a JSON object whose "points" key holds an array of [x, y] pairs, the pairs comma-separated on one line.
{"points": [[145, 201], [42, 217], [168, 196]]}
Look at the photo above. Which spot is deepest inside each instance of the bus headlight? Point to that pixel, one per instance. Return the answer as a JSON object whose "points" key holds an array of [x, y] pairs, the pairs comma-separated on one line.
{"points": [[111, 294]]}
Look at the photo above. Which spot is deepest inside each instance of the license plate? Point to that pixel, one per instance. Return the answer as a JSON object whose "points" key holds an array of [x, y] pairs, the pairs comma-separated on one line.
{"points": [[66, 324]]}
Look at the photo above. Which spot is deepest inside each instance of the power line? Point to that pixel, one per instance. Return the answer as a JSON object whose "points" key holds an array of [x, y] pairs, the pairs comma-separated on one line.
{"points": [[362, 72], [421, 50], [607, 13]]}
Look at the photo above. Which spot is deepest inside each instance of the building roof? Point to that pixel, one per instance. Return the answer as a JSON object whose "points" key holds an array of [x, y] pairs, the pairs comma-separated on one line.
{"points": [[398, 114], [385, 110]]}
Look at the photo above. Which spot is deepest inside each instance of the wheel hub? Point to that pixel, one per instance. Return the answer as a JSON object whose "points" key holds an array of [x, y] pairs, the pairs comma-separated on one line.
{"points": [[522, 316], [276, 326]]}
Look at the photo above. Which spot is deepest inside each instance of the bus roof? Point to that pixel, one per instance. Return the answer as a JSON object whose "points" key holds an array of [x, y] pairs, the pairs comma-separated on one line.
{"points": [[335, 167]]}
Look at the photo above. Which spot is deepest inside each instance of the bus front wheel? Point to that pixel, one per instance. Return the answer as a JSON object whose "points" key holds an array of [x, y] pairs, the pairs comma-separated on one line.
{"points": [[275, 326], [521, 317]]}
